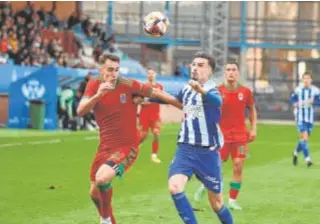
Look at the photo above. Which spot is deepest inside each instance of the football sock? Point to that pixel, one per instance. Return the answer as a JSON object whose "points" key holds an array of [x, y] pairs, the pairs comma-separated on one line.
{"points": [[106, 192], [224, 215], [234, 190], [298, 148], [184, 208], [155, 146], [305, 150]]}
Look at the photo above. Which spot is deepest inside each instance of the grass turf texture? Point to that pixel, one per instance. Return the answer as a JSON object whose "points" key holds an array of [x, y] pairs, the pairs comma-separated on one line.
{"points": [[45, 180]]}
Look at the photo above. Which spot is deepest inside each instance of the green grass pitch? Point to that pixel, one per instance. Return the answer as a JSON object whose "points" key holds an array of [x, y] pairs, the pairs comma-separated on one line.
{"points": [[31, 162]]}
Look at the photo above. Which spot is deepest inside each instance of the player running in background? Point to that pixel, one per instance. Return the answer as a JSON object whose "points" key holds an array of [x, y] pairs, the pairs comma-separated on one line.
{"points": [[199, 142], [111, 99], [236, 100], [303, 99], [150, 118]]}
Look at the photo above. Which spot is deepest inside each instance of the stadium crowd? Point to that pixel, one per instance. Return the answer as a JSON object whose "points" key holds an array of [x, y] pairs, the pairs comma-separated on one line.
{"points": [[21, 41]]}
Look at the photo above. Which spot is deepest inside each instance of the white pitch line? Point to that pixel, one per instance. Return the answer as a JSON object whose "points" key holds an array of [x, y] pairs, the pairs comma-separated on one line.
{"points": [[10, 144], [53, 141]]}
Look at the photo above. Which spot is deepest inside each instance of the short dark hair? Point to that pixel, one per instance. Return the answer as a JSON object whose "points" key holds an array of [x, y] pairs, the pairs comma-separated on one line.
{"points": [[150, 68], [232, 62], [104, 57], [211, 60], [307, 73]]}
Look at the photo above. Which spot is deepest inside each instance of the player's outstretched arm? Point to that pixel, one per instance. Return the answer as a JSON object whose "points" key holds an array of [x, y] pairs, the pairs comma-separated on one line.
{"points": [[88, 103], [166, 98]]}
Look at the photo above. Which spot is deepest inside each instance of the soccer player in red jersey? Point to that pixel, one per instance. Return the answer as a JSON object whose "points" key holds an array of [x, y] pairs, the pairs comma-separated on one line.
{"points": [[150, 117], [111, 99], [236, 100]]}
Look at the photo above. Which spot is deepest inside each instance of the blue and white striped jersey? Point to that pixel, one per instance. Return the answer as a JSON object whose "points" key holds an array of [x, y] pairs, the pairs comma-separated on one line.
{"points": [[200, 124], [304, 112]]}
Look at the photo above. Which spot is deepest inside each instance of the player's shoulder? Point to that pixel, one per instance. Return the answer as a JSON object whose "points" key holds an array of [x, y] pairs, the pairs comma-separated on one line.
{"points": [[127, 83], [159, 85], [244, 88], [95, 82], [315, 88], [210, 85]]}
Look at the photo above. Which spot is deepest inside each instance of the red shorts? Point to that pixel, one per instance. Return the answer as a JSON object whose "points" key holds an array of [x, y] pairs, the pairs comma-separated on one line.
{"points": [[126, 156], [236, 149], [147, 122]]}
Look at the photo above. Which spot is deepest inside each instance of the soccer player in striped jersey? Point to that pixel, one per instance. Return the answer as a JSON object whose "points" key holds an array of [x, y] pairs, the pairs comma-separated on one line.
{"points": [[303, 100], [199, 142]]}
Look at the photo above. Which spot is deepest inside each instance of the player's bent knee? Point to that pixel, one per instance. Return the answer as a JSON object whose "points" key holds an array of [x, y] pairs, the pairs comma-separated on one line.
{"points": [[177, 183], [94, 192], [105, 174], [175, 188], [304, 136], [156, 133]]}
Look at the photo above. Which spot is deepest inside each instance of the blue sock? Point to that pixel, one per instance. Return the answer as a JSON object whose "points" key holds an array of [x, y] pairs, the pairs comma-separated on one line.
{"points": [[225, 216], [305, 149], [298, 148], [184, 208]]}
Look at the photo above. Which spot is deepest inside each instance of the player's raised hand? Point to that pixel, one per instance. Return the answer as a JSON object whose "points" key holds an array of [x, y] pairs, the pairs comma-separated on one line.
{"points": [[104, 88], [196, 86]]}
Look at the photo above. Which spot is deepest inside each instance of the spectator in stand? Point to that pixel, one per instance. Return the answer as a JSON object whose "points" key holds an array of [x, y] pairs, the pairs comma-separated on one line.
{"points": [[4, 43], [73, 20]]}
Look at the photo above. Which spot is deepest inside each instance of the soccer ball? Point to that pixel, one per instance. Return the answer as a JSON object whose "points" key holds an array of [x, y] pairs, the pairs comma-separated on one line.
{"points": [[156, 24]]}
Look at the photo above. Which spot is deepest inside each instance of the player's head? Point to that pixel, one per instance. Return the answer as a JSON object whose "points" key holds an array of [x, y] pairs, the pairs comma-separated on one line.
{"points": [[110, 65], [231, 71], [151, 74], [202, 67], [307, 79]]}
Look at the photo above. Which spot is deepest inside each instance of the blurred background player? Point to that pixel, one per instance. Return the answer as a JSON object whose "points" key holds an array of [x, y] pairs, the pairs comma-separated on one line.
{"points": [[65, 107], [199, 141], [303, 99], [236, 100], [150, 117], [88, 118], [110, 97]]}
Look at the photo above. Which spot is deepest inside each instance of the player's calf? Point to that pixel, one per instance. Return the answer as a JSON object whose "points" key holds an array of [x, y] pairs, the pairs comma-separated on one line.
{"points": [[236, 183], [223, 213], [155, 146], [102, 200], [176, 188]]}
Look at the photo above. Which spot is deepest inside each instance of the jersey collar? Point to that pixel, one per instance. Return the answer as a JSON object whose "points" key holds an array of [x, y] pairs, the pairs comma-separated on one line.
{"points": [[229, 87], [209, 85]]}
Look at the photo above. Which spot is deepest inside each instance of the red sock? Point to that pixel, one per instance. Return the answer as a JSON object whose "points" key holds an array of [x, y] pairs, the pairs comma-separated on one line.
{"points": [[155, 146], [234, 190], [233, 194], [106, 207]]}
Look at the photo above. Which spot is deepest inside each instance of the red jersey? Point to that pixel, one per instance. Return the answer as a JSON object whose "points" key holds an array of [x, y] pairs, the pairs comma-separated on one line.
{"points": [[233, 112], [115, 113], [152, 109]]}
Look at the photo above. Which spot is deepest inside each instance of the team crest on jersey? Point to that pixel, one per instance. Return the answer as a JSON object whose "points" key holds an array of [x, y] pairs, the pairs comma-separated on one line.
{"points": [[240, 96], [123, 98]]}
